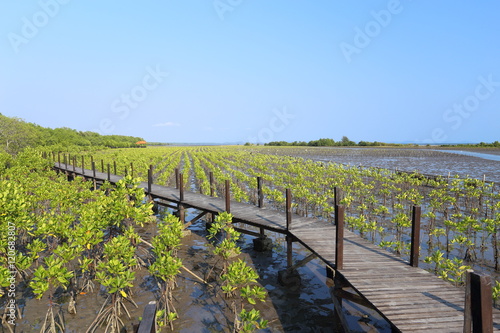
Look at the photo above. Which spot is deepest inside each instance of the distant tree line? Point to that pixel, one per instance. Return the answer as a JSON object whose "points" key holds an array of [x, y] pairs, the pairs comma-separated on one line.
{"points": [[345, 142], [16, 134], [480, 144]]}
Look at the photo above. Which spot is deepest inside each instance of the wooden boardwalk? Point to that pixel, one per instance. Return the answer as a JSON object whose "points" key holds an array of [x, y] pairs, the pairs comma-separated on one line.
{"points": [[409, 298]]}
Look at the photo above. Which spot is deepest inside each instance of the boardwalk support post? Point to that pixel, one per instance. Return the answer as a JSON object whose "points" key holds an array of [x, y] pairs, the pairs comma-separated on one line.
{"points": [[211, 180], [93, 174], [260, 195], [479, 304], [83, 165], [181, 211], [288, 209], [102, 166], [181, 187], [109, 173], [176, 178], [147, 324], [415, 236], [114, 167], [339, 237], [336, 199], [228, 196], [150, 179]]}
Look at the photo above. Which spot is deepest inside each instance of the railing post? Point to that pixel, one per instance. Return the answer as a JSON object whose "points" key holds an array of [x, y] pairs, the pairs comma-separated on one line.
{"points": [[93, 172], [288, 200], [481, 303], [260, 195], [131, 169], [109, 173], [102, 166], [147, 324], [74, 163], [336, 200], [176, 178], [150, 178], [181, 186], [415, 236], [83, 165], [339, 237], [59, 159], [228, 196], [211, 180], [114, 167]]}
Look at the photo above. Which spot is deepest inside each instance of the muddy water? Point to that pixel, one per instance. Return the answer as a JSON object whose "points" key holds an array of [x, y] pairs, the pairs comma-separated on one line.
{"points": [[307, 307]]}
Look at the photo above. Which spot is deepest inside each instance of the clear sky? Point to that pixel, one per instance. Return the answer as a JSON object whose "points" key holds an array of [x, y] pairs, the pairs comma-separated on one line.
{"points": [[239, 70]]}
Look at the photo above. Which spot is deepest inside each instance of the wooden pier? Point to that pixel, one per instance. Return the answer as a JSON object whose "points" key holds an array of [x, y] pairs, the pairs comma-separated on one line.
{"points": [[409, 298]]}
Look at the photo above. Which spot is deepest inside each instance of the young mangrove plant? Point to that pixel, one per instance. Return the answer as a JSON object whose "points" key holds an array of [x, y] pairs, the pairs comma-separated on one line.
{"points": [[47, 278], [166, 267], [115, 273]]}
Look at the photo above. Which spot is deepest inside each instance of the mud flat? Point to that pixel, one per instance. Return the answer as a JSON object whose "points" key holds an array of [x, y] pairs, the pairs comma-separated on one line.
{"points": [[432, 161]]}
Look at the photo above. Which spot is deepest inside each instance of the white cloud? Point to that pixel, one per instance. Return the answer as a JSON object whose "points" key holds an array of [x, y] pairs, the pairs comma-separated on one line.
{"points": [[167, 124]]}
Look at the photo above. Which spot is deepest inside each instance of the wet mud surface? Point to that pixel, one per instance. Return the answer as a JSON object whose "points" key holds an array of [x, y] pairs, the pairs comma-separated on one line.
{"points": [[432, 161]]}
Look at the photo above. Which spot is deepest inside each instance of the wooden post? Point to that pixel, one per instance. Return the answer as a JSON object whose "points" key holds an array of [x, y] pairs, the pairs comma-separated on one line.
{"points": [[150, 178], [260, 195], [339, 237], [415, 236], [83, 165], [481, 305], [181, 187], [147, 324], [228, 196], [93, 172], [288, 194], [102, 166], [74, 163], [336, 200], [467, 306], [109, 173], [59, 159], [132, 169], [289, 252], [114, 167], [211, 179], [176, 178]]}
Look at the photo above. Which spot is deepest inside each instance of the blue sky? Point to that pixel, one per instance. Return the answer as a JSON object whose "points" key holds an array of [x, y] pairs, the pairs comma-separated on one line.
{"points": [[258, 71]]}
